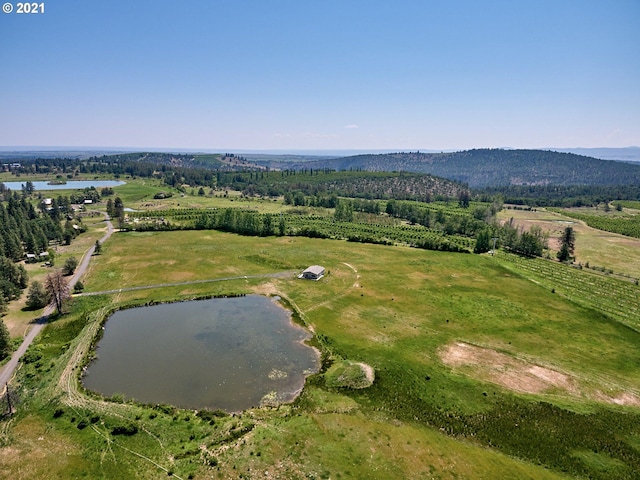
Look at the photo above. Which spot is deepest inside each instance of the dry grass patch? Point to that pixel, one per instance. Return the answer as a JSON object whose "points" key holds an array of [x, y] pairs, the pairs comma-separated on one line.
{"points": [[268, 288], [37, 451], [611, 250], [623, 398], [521, 376], [504, 370]]}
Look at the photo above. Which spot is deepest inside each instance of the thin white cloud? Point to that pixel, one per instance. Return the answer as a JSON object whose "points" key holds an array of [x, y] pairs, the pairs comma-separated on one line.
{"points": [[352, 126]]}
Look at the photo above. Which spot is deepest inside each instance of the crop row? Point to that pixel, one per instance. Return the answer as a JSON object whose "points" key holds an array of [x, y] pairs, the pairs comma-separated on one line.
{"points": [[627, 225], [616, 298], [250, 222], [413, 235]]}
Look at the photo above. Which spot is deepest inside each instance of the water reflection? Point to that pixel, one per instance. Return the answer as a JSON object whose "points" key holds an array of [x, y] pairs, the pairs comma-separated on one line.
{"points": [[227, 353]]}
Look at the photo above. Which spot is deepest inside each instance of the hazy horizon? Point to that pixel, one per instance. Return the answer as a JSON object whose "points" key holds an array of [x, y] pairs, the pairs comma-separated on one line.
{"points": [[625, 154]]}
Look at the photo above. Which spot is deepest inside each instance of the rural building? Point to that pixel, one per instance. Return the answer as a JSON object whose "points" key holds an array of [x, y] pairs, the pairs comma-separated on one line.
{"points": [[314, 272]]}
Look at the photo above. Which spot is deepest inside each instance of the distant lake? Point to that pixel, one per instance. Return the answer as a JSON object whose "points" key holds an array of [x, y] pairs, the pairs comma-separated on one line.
{"points": [[226, 353], [70, 185]]}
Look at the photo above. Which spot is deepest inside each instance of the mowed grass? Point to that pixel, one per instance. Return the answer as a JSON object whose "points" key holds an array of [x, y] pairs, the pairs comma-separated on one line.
{"points": [[604, 249], [396, 309]]}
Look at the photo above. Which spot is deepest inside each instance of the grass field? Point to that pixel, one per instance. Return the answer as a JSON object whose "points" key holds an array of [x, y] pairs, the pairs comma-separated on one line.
{"points": [[612, 251], [547, 386], [485, 367]]}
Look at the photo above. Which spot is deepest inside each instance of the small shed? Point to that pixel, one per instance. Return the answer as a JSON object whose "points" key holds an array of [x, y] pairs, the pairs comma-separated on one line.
{"points": [[314, 272]]}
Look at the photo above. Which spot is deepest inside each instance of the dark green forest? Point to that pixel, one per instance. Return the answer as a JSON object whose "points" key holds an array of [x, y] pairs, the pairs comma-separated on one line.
{"points": [[25, 230], [496, 167]]}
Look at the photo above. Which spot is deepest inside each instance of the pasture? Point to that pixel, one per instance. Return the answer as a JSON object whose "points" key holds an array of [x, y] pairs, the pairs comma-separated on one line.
{"points": [[485, 367], [545, 387]]}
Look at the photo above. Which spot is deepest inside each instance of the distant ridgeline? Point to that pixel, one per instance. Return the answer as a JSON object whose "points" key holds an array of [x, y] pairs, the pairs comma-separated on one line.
{"points": [[534, 177], [236, 173], [495, 167]]}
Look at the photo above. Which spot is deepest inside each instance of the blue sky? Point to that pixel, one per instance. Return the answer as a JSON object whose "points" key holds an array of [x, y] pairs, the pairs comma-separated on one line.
{"points": [[330, 75]]}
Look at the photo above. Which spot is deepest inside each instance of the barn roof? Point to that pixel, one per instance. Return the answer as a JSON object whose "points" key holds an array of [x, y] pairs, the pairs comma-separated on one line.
{"points": [[315, 269]]}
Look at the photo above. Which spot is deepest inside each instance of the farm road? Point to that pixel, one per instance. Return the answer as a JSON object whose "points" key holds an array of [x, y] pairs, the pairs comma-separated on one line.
{"points": [[285, 274], [7, 371]]}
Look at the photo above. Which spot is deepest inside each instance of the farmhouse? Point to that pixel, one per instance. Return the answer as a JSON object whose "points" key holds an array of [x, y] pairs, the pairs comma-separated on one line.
{"points": [[314, 272]]}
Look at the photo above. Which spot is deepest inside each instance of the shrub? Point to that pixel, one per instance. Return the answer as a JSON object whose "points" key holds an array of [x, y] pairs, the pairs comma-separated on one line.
{"points": [[70, 266], [346, 374], [129, 429]]}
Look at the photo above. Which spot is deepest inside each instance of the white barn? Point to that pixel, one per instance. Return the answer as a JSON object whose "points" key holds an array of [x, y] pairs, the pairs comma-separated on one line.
{"points": [[314, 272]]}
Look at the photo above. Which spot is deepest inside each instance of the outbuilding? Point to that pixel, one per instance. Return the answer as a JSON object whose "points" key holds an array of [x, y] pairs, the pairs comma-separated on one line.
{"points": [[314, 272]]}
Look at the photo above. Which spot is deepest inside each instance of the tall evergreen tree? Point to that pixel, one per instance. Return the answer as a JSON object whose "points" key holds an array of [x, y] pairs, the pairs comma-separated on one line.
{"points": [[37, 296], [5, 341], [567, 244], [483, 241]]}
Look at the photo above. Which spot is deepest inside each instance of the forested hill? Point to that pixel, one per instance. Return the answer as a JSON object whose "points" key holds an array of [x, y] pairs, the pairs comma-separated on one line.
{"points": [[496, 167]]}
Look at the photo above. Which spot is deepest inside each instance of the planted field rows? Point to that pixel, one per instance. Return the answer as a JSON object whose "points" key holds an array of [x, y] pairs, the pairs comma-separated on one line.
{"points": [[618, 299], [627, 225], [413, 235], [253, 223]]}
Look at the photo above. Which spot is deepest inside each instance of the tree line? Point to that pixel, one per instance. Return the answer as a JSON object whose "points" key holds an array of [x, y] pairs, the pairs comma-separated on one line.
{"points": [[25, 229], [177, 170], [563, 196]]}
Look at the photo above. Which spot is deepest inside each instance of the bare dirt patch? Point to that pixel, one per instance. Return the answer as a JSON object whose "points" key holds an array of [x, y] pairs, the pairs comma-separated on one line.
{"points": [[505, 370], [627, 399], [268, 288], [521, 376], [368, 372]]}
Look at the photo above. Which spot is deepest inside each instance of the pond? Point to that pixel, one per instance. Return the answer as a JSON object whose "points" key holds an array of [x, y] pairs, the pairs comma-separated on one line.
{"points": [[225, 353], [70, 185]]}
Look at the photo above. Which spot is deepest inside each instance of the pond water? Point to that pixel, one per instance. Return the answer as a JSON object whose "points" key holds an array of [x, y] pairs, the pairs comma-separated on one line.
{"points": [[70, 185], [225, 353]]}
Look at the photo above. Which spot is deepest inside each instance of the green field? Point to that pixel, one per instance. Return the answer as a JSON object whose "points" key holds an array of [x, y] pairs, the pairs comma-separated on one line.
{"points": [[401, 310], [485, 366]]}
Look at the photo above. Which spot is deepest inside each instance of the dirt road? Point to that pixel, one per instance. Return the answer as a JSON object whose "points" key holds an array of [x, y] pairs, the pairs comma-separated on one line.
{"points": [[7, 371]]}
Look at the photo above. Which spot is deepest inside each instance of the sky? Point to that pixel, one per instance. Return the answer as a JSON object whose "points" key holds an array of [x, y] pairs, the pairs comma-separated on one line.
{"points": [[293, 75]]}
